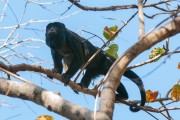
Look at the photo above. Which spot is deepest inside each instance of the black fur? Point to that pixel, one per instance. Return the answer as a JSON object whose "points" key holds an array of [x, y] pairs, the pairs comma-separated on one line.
{"points": [[75, 51]]}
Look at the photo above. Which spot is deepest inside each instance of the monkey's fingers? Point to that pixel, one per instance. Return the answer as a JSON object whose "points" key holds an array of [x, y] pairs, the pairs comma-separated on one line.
{"points": [[66, 82]]}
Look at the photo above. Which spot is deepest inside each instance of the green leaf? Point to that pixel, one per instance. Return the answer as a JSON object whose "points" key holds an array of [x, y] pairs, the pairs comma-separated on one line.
{"points": [[109, 32], [106, 34], [114, 28], [155, 52], [114, 47], [112, 50]]}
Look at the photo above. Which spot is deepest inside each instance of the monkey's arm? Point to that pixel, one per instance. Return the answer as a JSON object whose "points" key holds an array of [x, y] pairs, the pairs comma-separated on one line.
{"points": [[72, 69], [58, 67], [57, 59]]}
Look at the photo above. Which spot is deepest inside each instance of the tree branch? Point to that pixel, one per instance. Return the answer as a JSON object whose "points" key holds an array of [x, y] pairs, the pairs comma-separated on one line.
{"points": [[48, 72], [116, 71], [120, 7]]}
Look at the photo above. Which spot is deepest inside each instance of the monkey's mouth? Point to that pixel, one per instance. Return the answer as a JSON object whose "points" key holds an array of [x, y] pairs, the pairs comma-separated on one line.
{"points": [[51, 34]]}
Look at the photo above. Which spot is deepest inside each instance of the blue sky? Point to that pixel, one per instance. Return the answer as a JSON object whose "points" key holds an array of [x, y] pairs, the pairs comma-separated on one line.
{"points": [[161, 79]]}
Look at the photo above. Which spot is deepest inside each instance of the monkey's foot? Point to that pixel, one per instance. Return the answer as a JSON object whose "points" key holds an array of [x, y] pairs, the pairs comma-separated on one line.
{"points": [[120, 97], [65, 79]]}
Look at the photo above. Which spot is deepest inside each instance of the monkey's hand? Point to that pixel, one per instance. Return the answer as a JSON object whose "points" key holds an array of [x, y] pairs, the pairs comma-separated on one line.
{"points": [[65, 78]]}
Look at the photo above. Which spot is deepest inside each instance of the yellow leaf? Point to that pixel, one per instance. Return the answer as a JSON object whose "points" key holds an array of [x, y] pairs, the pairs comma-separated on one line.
{"points": [[175, 93], [44, 117], [155, 52], [151, 96]]}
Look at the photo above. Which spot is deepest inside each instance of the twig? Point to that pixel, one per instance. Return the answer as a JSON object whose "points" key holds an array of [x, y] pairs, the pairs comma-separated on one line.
{"points": [[174, 108], [151, 60], [167, 94], [151, 115], [165, 115], [45, 3], [40, 21], [94, 35], [168, 115], [12, 11], [160, 13], [165, 104], [4, 9], [23, 13], [67, 9]]}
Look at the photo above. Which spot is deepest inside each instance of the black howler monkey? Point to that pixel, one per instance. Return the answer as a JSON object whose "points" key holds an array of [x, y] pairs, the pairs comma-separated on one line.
{"points": [[75, 51]]}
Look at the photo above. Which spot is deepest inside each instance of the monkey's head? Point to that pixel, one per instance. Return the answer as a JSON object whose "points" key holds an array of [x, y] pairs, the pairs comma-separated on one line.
{"points": [[55, 34]]}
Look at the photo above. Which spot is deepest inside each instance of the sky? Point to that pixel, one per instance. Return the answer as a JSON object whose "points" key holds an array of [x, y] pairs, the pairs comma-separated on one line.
{"points": [[39, 15]]}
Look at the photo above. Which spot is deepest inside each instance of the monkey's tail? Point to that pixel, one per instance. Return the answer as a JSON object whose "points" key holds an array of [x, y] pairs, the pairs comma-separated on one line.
{"points": [[137, 80]]}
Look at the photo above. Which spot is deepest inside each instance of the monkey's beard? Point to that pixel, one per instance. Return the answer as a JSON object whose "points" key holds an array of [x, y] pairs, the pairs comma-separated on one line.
{"points": [[51, 39]]}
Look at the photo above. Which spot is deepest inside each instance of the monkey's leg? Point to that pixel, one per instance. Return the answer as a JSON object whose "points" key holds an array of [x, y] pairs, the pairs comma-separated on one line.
{"points": [[72, 69], [57, 59], [89, 75], [86, 80]]}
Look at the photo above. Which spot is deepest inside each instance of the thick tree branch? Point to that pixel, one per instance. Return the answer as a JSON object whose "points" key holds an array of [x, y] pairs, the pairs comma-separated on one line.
{"points": [[53, 101], [50, 100], [116, 71]]}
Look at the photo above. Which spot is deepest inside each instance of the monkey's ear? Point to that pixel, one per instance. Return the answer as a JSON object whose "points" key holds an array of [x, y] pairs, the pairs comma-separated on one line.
{"points": [[61, 25], [50, 24]]}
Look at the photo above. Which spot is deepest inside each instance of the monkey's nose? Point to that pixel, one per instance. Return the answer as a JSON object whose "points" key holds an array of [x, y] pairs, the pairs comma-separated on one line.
{"points": [[52, 30]]}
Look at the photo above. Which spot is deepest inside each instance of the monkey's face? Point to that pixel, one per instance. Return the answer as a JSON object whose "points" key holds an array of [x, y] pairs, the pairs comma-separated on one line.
{"points": [[54, 29], [55, 34]]}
